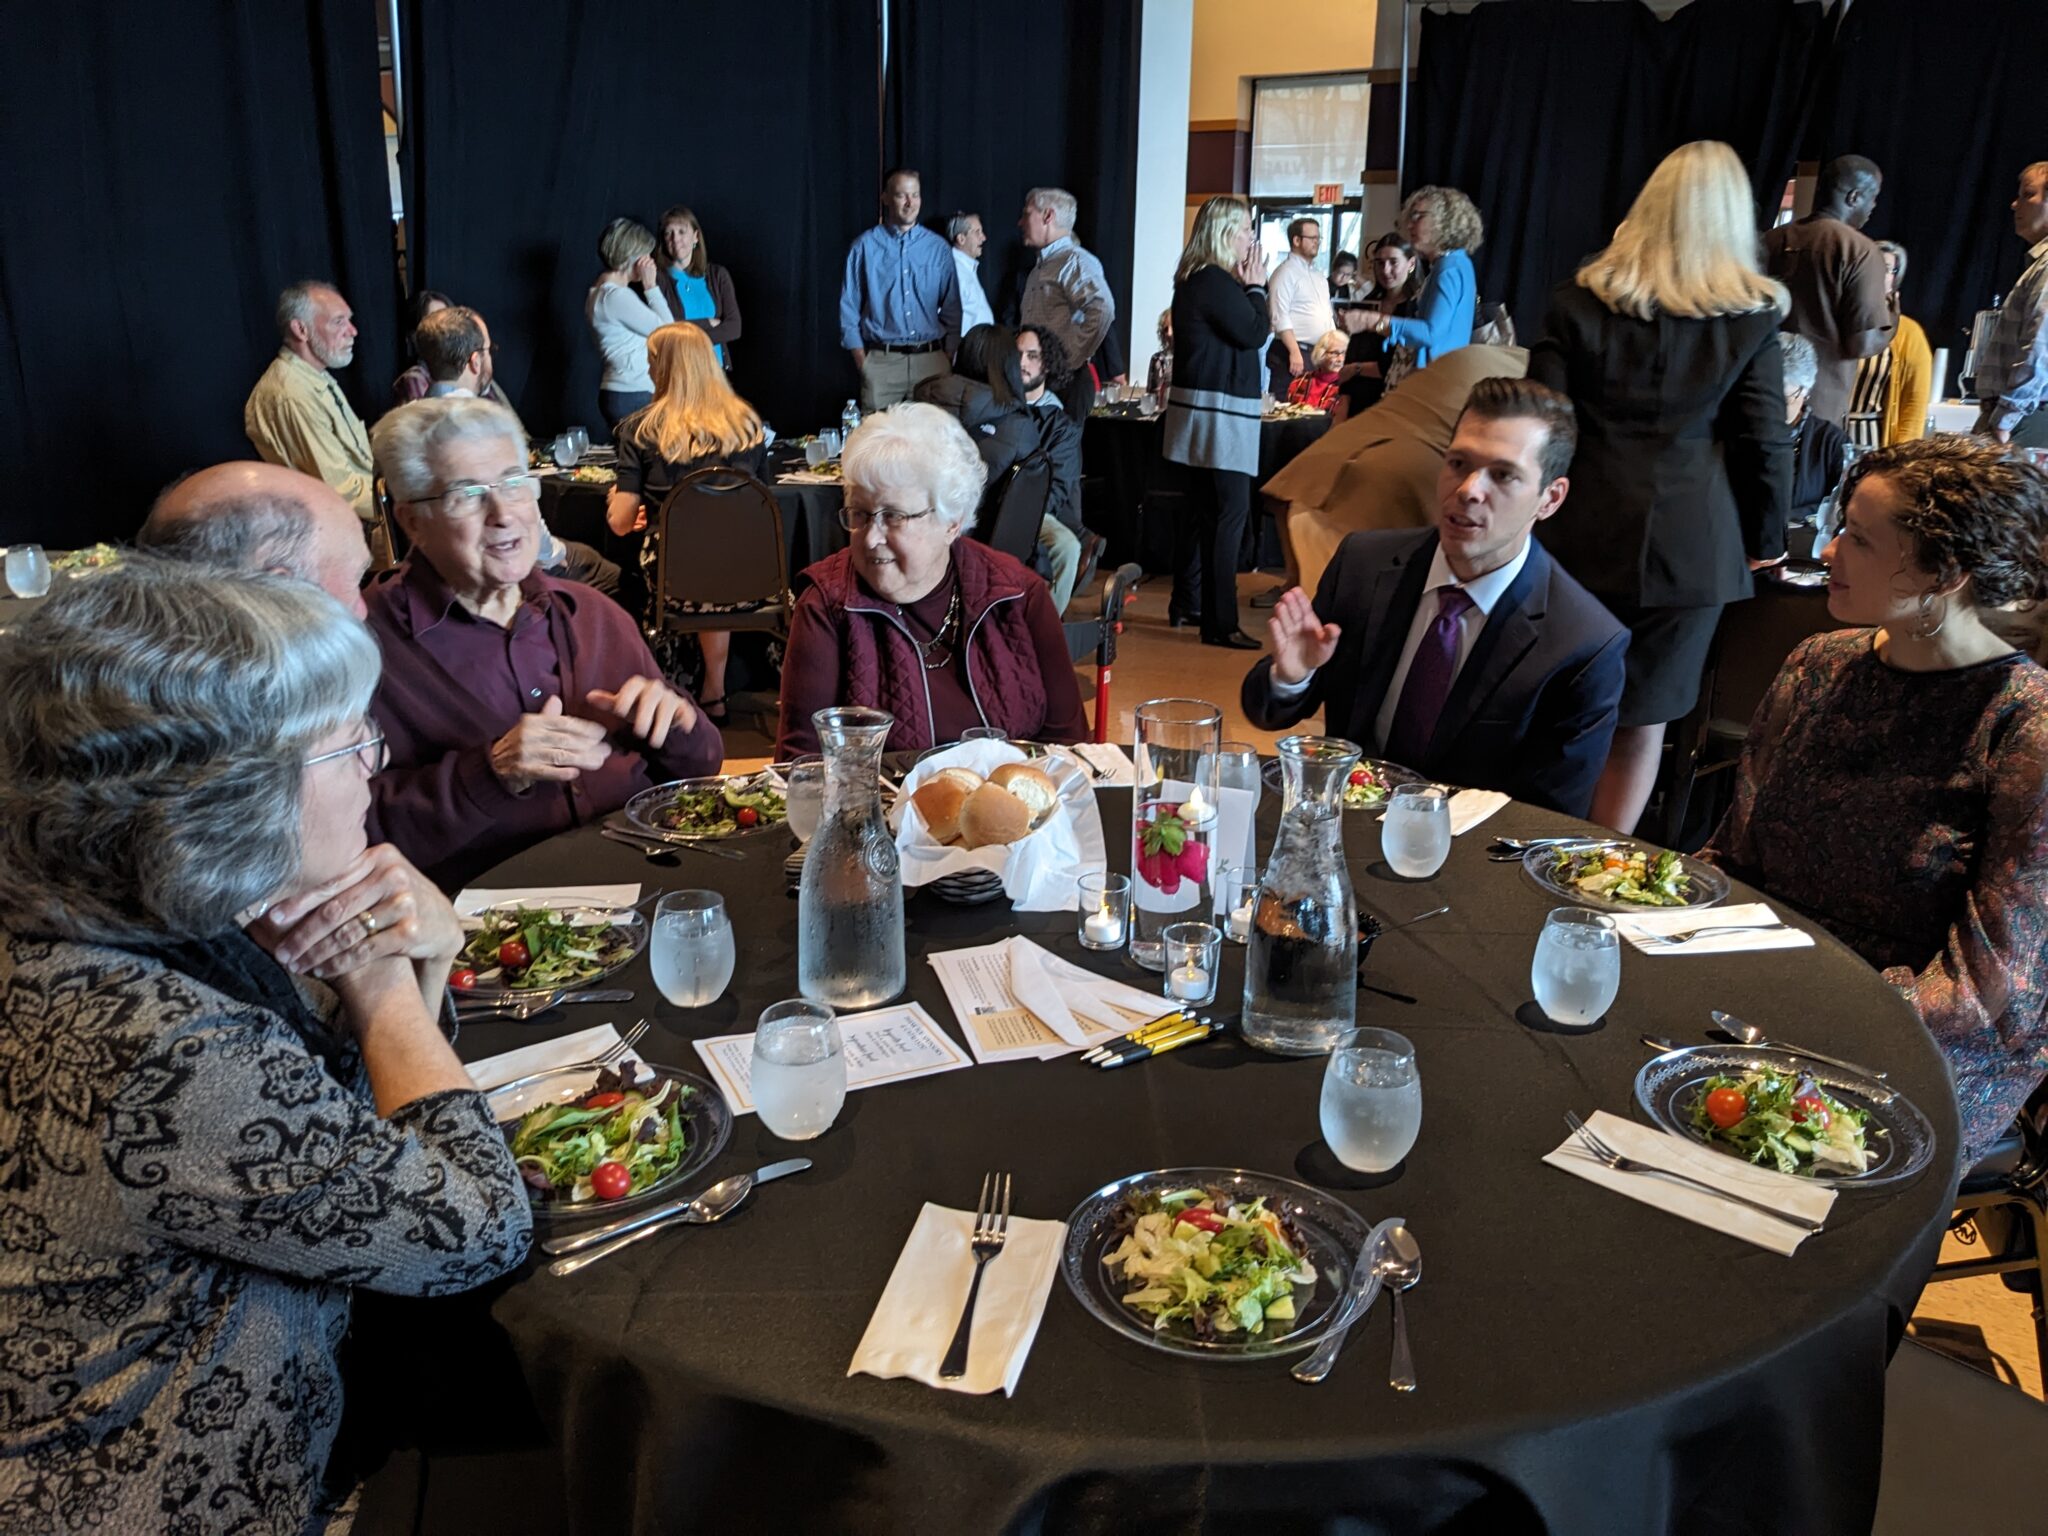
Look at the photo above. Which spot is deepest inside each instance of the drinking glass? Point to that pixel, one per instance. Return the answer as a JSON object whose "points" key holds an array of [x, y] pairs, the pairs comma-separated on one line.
{"points": [[834, 440], [28, 570], [798, 1075], [1240, 900], [691, 948], [1372, 1099], [1237, 767], [1105, 910], [816, 453], [563, 451], [1577, 969], [982, 733], [1194, 951], [804, 788], [1416, 835], [579, 441]]}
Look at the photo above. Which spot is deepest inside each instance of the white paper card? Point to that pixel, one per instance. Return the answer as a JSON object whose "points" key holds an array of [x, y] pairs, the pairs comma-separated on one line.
{"points": [[1063, 1008], [471, 902], [884, 1045], [1642, 930]]}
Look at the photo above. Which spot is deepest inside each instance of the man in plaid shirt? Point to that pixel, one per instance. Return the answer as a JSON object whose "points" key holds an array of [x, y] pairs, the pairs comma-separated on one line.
{"points": [[2012, 374]]}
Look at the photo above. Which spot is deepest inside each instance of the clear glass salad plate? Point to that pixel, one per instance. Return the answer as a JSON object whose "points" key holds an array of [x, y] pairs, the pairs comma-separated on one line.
{"points": [[644, 809], [1896, 1136], [705, 1120], [629, 923], [1333, 1233], [1706, 887], [1393, 775]]}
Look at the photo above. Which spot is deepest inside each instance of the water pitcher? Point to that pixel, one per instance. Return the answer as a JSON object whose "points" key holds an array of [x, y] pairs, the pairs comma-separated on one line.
{"points": [[849, 926], [1301, 964], [1173, 821]]}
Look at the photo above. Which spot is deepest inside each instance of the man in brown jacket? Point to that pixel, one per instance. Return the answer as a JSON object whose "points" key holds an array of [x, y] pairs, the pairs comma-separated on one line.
{"points": [[1835, 275]]}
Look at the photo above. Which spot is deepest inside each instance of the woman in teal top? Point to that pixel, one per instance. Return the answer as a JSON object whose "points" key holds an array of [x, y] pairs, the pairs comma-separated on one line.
{"points": [[698, 290]]}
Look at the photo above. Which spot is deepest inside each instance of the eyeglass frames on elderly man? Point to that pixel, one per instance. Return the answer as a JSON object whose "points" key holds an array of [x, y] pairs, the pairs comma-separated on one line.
{"points": [[463, 500], [856, 519], [376, 753]]}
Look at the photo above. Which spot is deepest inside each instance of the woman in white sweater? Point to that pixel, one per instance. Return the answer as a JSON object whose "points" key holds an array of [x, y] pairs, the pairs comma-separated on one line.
{"points": [[625, 307]]}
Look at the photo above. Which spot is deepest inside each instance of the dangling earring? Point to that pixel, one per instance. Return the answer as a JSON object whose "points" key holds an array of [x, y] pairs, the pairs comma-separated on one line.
{"points": [[1929, 626]]}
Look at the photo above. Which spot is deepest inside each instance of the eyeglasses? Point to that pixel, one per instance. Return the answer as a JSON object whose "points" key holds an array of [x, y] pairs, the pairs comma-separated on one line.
{"points": [[466, 500], [375, 752], [856, 519]]}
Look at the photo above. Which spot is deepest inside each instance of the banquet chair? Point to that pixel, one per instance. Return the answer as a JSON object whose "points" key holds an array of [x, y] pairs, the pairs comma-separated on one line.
{"points": [[1014, 507], [2012, 1179], [722, 561], [1097, 637], [1955, 1455]]}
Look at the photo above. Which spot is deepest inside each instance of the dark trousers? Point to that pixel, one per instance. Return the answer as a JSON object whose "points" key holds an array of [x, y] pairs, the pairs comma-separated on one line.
{"points": [[1206, 545], [1278, 378], [1079, 397], [615, 405]]}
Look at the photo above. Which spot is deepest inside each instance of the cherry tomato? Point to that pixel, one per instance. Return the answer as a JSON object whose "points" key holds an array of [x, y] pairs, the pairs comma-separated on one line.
{"points": [[1359, 776], [1208, 1221], [603, 1100], [512, 954], [1811, 1109], [748, 816], [608, 1181], [1727, 1106], [462, 980]]}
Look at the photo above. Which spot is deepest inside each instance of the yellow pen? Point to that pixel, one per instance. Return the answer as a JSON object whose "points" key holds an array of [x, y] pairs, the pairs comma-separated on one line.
{"points": [[1165, 1024]]}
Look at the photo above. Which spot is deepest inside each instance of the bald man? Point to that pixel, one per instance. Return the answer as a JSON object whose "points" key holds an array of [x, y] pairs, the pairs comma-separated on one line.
{"points": [[263, 517]]}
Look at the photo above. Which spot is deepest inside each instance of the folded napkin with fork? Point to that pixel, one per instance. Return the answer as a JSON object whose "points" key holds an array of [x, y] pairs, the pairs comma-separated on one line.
{"points": [[1748, 927]]}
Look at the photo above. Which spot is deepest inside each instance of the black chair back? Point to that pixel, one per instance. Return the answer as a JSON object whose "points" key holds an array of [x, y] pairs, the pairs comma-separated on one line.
{"points": [[1015, 506], [723, 560]]}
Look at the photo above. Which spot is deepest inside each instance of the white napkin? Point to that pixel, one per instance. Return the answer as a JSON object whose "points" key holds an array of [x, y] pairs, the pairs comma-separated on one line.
{"points": [[1072, 1002], [1469, 807], [1794, 1196], [1106, 757], [921, 1305], [474, 899], [1640, 930], [1038, 871]]}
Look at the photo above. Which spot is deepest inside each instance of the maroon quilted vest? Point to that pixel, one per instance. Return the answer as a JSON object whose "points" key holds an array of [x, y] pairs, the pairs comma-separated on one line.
{"points": [[883, 670]]}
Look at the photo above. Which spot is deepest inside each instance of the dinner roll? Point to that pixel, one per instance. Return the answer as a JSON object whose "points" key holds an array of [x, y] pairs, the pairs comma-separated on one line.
{"points": [[1030, 785], [939, 800], [993, 815], [968, 780]]}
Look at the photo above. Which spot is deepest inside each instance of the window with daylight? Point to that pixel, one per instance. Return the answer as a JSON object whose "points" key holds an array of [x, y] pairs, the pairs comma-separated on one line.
{"points": [[1308, 130]]}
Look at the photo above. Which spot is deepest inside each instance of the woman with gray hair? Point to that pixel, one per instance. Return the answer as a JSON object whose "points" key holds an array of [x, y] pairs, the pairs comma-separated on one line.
{"points": [[942, 632], [1819, 447], [516, 705], [624, 307], [203, 1150]]}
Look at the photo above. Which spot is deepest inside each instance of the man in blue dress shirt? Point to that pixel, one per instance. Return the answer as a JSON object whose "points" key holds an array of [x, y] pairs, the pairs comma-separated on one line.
{"points": [[899, 308]]}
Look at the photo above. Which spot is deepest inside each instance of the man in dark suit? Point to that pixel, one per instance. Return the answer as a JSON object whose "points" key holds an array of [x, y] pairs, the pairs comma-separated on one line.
{"points": [[1464, 652]]}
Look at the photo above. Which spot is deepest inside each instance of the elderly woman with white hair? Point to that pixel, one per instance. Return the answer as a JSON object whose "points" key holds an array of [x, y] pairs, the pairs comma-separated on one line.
{"points": [[516, 706], [204, 1150], [943, 632], [1818, 445]]}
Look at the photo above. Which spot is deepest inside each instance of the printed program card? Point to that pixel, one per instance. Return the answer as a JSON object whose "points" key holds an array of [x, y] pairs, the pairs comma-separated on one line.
{"points": [[886, 1045]]}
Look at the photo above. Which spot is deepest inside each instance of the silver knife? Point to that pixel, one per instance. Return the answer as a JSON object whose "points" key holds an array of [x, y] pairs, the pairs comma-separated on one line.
{"points": [[1731, 1025], [513, 1000], [577, 1242], [1360, 1293]]}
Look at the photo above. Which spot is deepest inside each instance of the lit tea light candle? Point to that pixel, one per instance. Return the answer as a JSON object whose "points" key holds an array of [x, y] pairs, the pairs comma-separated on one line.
{"points": [[1195, 810], [1189, 983], [1241, 921], [1104, 927]]}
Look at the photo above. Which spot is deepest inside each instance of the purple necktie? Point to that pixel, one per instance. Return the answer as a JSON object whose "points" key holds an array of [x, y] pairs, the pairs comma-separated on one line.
{"points": [[1430, 675]]}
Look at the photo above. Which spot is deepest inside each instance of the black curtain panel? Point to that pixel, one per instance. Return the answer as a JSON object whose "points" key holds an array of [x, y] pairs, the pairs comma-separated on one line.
{"points": [[1551, 116], [989, 101], [1947, 99], [170, 167], [531, 124]]}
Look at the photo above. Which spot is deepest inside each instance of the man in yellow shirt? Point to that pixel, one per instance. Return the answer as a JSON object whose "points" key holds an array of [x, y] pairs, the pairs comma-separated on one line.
{"points": [[297, 415]]}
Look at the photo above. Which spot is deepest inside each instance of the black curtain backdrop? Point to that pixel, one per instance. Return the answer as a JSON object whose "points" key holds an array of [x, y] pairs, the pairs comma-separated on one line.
{"points": [[1947, 99], [989, 101], [170, 167], [530, 124], [1551, 116]]}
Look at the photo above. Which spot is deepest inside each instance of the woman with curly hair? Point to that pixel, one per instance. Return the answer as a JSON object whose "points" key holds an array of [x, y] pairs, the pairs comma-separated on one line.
{"points": [[1444, 228], [1895, 780]]}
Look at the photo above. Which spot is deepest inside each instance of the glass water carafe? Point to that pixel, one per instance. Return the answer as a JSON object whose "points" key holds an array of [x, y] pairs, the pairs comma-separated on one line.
{"points": [[1173, 821], [849, 926], [1301, 963]]}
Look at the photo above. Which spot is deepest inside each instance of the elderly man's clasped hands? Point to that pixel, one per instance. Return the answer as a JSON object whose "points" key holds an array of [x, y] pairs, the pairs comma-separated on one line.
{"points": [[556, 748]]}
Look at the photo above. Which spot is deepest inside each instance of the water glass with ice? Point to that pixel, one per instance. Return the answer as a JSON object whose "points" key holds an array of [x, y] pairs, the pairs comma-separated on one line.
{"points": [[804, 791], [1577, 969], [815, 453], [691, 948], [1415, 837], [798, 1075], [1372, 1099], [28, 570]]}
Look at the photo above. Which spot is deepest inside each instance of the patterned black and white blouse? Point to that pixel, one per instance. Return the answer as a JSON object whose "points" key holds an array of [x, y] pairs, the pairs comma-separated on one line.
{"points": [[188, 1193]]}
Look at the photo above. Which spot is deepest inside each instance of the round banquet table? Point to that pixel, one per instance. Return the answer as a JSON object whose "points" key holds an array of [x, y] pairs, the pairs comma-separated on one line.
{"points": [[1587, 1363]]}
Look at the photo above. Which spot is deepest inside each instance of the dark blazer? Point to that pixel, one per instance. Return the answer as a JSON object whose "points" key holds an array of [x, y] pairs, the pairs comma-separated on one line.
{"points": [[1684, 466], [1530, 713], [727, 331]]}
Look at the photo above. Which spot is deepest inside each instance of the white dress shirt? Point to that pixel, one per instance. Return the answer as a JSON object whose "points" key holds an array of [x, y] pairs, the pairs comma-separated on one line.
{"points": [[1484, 591], [974, 308], [1298, 300]]}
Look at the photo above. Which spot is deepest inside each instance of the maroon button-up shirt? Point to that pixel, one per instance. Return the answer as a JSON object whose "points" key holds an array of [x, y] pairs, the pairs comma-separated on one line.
{"points": [[454, 683]]}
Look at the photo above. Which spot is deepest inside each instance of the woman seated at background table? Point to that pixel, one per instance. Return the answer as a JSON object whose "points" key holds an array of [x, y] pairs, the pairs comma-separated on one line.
{"points": [[516, 706], [1817, 444], [695, 422], [1894, 784], [941, 631], [414, 383], [201, 1156], [1318, 387]]}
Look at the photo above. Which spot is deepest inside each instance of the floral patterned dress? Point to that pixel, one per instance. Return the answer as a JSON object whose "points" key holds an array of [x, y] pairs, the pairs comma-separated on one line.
{"points": [[1908, 813], [190, 1186]]}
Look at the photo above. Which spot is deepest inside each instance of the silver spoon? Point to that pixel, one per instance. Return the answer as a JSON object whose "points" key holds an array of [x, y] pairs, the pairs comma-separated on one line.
{"points": [[1400, 1267], [717, 1202], [1749, 1034]]}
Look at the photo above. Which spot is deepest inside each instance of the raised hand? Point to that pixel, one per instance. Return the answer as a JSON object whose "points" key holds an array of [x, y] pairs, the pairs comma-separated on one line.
{"points": [[549, 746], [1301, 641], [650, 708]]}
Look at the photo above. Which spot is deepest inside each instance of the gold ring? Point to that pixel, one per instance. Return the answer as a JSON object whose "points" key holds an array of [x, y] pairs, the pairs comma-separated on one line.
{"points": [[369, 922]]}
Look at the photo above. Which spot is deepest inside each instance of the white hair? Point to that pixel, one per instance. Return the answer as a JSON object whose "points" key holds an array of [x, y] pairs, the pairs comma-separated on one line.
{"points": [[300, 302], [407, 442], [1057, 201], [1802, 363], [914, 446]]}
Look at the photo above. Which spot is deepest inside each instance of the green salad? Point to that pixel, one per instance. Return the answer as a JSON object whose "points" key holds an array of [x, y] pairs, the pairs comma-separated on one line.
{"points": [[533, 949], [1201, 1261], [614, 1141], [1781, 1121], [1648, 877], [734, 806]]}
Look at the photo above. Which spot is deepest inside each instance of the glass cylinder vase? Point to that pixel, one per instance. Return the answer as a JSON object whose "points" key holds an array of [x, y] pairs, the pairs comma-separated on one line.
{"points": [[1173, 821]]}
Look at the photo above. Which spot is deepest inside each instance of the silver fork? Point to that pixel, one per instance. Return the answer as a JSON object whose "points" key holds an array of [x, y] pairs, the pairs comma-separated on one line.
{"points": [[626, 1042], [1621, 1164], [991, 1230], [1687, 935]]}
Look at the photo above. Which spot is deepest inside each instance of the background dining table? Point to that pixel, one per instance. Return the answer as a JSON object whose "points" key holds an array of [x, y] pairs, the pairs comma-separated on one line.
{"points": [[1587, 1363]]}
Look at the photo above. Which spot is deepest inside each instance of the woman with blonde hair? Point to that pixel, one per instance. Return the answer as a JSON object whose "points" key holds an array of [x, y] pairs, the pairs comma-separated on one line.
{"points": [[1444, 228], [695, 422], [623, 308], [1213, 411], [1667, 343]]}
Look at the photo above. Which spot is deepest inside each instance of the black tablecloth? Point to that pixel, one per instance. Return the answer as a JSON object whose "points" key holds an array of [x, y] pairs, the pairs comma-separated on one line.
{"points": [[1587, 1364], [1132, 494]]}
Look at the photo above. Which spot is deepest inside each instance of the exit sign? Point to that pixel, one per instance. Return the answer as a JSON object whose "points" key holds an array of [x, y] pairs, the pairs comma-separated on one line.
{"points": [[1329, 192]]}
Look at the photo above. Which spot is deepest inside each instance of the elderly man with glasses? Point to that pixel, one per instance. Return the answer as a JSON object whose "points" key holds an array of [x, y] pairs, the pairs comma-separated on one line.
{"points": [[515, 705]]}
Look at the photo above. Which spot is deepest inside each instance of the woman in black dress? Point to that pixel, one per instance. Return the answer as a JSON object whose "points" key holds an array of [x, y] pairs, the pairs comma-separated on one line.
{"points": [[1667, 343]]}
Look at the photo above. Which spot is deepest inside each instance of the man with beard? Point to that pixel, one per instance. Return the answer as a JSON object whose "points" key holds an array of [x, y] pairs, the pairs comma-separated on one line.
{"points": [[297, 415], [1040, 360]]}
